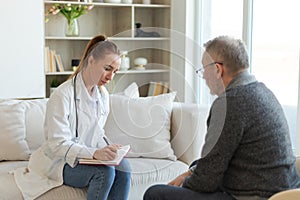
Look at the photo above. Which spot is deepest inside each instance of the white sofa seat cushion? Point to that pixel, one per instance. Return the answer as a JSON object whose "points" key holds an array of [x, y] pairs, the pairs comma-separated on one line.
{"points": [[8, 187], [145, 172], [150, 170], [13, 192]]}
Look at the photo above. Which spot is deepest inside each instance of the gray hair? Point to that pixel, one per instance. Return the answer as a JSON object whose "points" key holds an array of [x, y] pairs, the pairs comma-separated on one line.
{"points": [[231, 52]]}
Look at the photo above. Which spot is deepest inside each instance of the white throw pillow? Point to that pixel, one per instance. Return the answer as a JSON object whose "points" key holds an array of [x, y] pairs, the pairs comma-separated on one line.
{"points": [[131, 91], [4, 102], [144, 123], [13, 145], [34, 122]]}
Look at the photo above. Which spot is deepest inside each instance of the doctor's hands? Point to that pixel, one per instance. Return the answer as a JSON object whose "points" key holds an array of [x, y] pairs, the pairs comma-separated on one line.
{"points": [[108, 152]]}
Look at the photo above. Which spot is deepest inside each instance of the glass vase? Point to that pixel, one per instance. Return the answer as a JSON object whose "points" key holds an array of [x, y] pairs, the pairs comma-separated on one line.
{"points": [[72, 28]]}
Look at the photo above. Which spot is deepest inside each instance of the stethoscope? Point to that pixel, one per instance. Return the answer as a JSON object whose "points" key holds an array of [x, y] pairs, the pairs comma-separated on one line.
{"points": [[76, 138]]}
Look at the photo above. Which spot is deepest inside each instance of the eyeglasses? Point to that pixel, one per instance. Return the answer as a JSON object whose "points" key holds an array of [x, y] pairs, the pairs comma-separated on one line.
{"points": [[200, 71]]}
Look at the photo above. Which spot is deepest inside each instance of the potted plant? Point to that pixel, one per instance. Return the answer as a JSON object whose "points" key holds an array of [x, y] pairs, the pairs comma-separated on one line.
{"points": [[71, 12], [54, 84]]}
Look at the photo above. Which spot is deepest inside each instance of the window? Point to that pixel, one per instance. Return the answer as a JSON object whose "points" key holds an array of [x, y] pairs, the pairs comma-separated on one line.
{"points": [[222, 18], [275, 52], [274, 39], [219, 17]]}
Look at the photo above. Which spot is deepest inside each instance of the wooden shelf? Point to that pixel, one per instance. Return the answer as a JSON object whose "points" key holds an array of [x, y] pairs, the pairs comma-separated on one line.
{"points": [[59, 73], [111, 4], [117, 21], [110, 38], [146, 71]]}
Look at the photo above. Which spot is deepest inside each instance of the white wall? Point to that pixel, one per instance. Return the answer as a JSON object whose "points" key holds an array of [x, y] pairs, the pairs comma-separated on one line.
{"points": [[21, 49]]}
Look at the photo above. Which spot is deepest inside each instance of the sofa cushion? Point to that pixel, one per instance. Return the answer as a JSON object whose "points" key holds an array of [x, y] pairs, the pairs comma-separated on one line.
{"points": [[4, 102], [10, 190], [13, 145], [34, 122], [145, 172], [150, 170], [188, 121], [131, 91], [144, 123]]}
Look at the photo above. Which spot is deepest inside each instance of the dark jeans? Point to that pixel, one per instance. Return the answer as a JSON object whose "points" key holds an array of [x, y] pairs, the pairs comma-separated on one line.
{"points": [[167, 192]]}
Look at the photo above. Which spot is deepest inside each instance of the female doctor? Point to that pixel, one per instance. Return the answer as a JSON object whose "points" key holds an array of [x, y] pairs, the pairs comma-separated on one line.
{"points": [[75, 116]]}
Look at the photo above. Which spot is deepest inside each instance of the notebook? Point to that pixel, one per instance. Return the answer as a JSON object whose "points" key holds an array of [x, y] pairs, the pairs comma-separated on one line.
{"points": [[122, 152]]}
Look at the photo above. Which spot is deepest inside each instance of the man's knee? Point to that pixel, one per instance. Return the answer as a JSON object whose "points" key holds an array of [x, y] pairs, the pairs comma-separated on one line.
{"points": [[153, 193]]}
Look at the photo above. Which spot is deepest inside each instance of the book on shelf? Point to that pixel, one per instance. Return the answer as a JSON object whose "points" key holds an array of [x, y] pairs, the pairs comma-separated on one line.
{"points": [[59, 65], [157, 88], [53, 61], [121, 153], [47, 58]]}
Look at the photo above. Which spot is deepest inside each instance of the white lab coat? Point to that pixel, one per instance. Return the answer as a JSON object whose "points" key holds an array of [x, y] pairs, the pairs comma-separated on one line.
{"points": [[45, 169]]}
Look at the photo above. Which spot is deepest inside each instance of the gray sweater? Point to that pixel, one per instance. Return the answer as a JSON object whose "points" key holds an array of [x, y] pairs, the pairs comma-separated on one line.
{"points": [[247, 149]]}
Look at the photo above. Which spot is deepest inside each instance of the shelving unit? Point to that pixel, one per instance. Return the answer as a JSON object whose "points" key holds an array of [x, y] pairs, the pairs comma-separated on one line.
{"points": [[117, 21]]}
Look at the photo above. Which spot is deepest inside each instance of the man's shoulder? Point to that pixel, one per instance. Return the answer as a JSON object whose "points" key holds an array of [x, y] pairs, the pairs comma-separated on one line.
{"points": [[253, 88]]}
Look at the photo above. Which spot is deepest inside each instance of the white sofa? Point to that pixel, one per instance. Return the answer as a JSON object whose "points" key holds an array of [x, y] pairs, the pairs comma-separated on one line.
{"points": [[21, 132]]}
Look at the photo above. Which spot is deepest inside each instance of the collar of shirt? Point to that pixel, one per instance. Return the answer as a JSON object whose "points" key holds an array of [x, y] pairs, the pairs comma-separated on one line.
{"points": [[242, 78]]}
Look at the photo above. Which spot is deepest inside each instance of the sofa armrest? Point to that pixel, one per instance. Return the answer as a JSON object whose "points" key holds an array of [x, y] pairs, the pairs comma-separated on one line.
{"points": [[188, 129]]}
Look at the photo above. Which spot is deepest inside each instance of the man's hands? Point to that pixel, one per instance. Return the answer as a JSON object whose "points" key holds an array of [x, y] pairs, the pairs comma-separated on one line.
{"points": [[178, 181], [108, 152]]}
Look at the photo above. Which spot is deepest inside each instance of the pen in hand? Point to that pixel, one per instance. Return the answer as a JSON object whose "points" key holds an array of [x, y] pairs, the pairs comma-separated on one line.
{"points": [[106, 141], [109, 143]]}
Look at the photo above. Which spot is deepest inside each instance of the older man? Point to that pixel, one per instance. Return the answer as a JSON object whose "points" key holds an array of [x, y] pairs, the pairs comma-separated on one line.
{"points": [[247, 152]]}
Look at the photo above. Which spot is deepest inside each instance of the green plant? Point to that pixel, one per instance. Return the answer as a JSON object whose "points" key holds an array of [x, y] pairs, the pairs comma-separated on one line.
{"points": [[70, 11], [55, 83]]}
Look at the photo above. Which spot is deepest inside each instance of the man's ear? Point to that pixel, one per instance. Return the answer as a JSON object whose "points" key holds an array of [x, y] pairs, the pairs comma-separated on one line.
{"points": [[220, 70]]}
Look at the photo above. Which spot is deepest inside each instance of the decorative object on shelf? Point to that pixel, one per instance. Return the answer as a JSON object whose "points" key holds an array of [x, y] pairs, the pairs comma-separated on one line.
{"points": [[72, 28], [146, 1], [71, 12], [125, 61], [140, 33], [139, 63], [75, 63], [112, 1]]}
